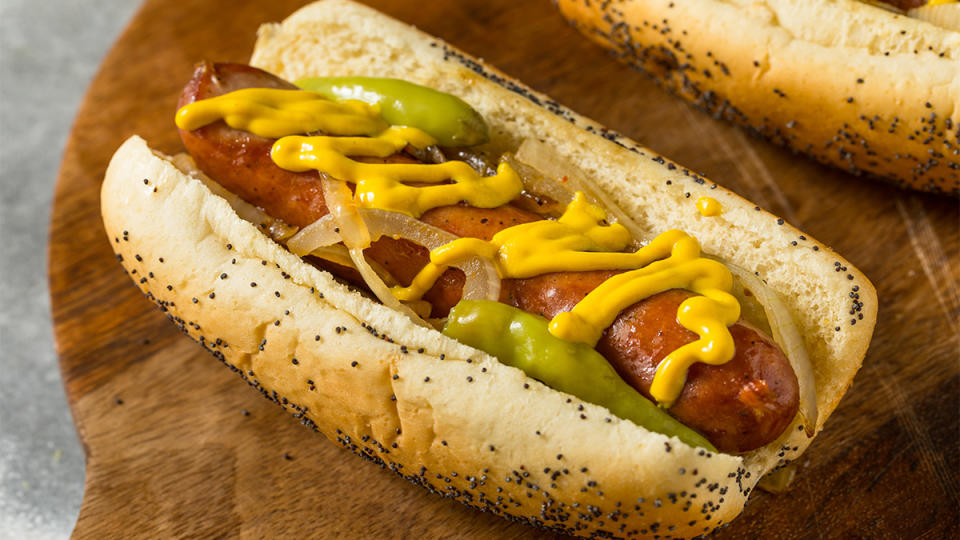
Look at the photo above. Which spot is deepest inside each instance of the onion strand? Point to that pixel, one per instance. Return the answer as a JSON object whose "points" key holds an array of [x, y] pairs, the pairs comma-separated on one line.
{"points": [[567, 178], [785, 333], [482, 280], [339, 200], [321, 233], [380, 289], [367, 224], [275, 228]]}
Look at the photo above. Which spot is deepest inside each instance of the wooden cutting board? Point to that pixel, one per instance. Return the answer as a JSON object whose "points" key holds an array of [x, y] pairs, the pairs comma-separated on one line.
{"points": [[177, 446]]}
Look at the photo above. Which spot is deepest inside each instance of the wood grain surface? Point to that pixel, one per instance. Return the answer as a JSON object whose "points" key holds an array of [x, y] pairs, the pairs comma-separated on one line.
{"points": [[178, 446]]}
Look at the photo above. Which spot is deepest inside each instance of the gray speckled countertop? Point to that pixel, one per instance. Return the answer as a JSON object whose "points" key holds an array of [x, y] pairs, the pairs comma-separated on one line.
{"points": [[49, 51]]}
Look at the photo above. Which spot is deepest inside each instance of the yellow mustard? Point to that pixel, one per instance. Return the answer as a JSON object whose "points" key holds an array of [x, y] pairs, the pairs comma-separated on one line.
{"points": [[361, 132], [707, 315], [709, 207], [581, 240], [272, 113], [381, 185]]}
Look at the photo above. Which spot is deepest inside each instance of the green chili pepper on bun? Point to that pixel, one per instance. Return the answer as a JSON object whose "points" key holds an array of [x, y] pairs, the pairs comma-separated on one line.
{"points": [[521, 340], [445, 117]]}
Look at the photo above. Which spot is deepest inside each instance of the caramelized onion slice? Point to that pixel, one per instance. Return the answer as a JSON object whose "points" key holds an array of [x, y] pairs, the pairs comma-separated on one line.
{"points": [[483, 281], [786, 334], [380, 289], [345, 213], [322, 240], [337, 253], [275, 228], [321, 233], [476, 160], [353, 231], [536, 182], [567, 178], [430, 154], [319, 239]]}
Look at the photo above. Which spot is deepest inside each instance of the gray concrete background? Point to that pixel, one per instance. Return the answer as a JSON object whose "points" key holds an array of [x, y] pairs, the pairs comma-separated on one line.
{"points": [[49, 51]]}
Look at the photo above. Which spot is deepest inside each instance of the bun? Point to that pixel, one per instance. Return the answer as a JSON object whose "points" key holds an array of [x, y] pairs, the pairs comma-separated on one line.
{"points": [[850, 84], [421, 404]]}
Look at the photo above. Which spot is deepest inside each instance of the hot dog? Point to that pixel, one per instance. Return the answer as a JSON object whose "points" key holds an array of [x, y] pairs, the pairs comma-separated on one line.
{"points": [[869, 88], [359, 371], [744, 420]]}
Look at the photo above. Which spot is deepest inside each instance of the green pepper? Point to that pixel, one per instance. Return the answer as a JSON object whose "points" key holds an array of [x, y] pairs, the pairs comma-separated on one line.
{"points": [[521, 340], [445, 117]]}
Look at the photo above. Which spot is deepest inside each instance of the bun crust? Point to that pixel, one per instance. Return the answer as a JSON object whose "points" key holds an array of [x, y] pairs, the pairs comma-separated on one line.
{"points": [[850, 84], [423, 405]]}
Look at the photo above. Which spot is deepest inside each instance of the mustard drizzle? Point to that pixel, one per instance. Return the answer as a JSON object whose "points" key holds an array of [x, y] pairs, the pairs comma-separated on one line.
{"points": [[273, 113], [381, 185]]}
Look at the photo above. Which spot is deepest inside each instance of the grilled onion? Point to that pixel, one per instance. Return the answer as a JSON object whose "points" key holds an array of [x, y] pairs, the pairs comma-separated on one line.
{"points": [[275, 228], [349, 226], [380, 289], [339, 200], [318, 238], [322, 232], [785, 333], [336, 253], [483, 281], [535, 182], [566, 179]]}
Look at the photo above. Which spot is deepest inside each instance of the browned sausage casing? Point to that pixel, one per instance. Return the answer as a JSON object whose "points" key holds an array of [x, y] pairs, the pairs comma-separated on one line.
{"points": [[741, 405]]}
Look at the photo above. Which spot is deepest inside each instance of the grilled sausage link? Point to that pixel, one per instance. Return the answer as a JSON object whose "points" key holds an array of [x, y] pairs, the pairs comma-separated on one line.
{"points": [[738, 406]]}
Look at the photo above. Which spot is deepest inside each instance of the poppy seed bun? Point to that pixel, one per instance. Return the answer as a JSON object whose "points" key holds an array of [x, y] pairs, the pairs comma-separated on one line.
{"points": [[421, 404], [850, 84]]}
